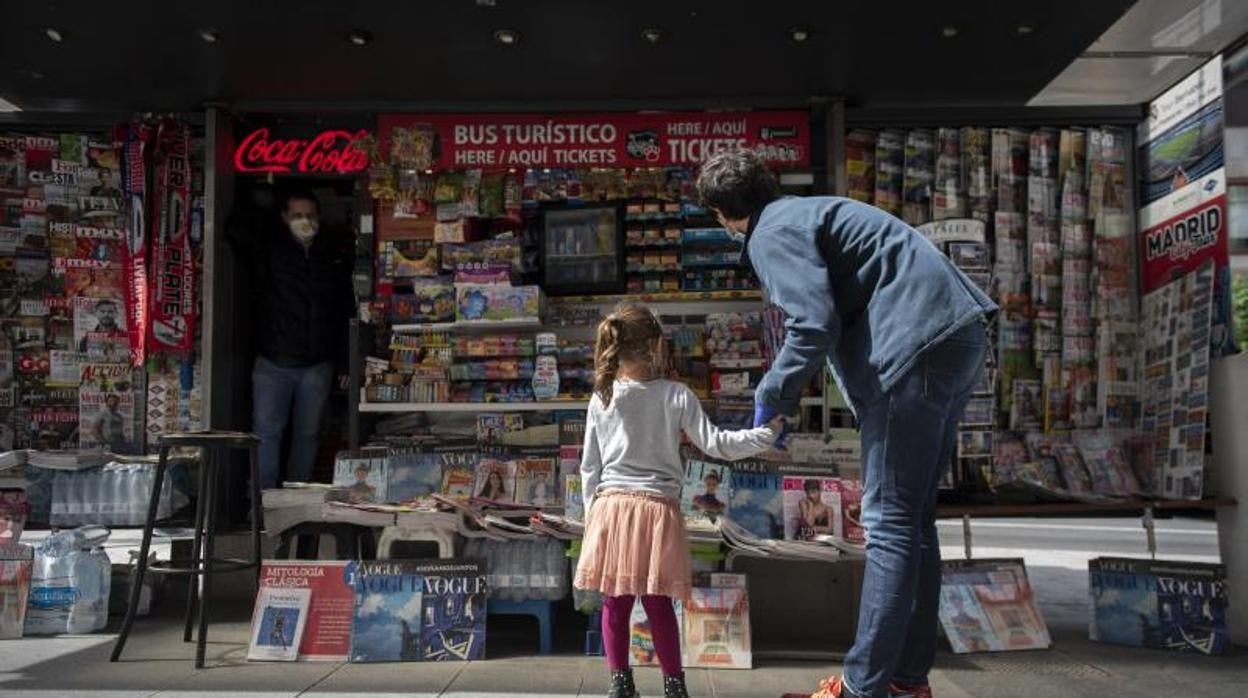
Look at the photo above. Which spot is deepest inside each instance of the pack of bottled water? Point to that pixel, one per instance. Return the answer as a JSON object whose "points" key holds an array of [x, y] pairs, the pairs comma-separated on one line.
{"points": [[114, 495], [533, 569]]}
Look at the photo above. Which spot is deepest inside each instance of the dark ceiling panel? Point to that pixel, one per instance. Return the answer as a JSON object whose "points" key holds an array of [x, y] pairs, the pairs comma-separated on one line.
{"points": [[149, 54]]}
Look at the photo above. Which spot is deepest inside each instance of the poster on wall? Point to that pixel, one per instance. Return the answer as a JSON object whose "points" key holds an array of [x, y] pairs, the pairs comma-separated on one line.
{"points": [[1183, 193], [501, 141]]}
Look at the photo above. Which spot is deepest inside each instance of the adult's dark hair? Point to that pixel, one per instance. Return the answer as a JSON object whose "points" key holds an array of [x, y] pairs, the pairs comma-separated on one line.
{"points": [[300, 194], [811, 486], [711, 476], [736, 183]]}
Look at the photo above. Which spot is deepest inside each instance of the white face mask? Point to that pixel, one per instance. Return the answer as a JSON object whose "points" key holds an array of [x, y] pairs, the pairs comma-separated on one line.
{"points": [[303, 228]]}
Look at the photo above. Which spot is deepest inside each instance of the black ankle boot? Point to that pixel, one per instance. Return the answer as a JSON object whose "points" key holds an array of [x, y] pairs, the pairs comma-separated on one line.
{"points": [[674, 686], [622, 684]]}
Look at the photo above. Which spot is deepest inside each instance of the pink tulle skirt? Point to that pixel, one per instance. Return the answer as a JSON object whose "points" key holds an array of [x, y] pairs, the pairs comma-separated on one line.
{"points": [[635, 544]]}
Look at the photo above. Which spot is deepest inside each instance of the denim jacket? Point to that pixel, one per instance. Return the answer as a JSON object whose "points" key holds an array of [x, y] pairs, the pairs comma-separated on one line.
{"points": [[859, 288]]}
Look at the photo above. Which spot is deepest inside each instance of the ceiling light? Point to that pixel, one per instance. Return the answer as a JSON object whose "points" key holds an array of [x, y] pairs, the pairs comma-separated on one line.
{"points": [[210, 36], [7, 106], [652, 35], [34, 75], [1024, 29], [507, 37], [487, 3], [949, 32], [799, 34], [360, 37], [54, 35]]}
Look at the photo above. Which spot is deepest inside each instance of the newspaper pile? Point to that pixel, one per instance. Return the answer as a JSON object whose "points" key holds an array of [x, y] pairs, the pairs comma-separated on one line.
{"points": [[823, 547]]}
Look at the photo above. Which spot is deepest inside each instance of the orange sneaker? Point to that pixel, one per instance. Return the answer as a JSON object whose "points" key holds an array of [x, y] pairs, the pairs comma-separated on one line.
{"points": [[831, 687]]}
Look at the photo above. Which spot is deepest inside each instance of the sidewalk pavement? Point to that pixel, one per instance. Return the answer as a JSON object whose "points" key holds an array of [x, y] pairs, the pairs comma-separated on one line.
{"points": [[157, 662]]}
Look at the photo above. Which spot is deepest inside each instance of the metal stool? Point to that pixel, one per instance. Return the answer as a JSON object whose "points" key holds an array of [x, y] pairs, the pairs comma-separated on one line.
{"points": [[214, 446]]}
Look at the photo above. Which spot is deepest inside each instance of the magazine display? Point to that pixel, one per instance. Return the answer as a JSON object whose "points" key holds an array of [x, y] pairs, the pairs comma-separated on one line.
{"points": [[1176, 381], [573, 498], [757, 499], [419, 610], [495, 480], [811, 507], [459, 476], [536, 483], [327, 634], [277, 625], [705, 495], [106, 409], [363, 474], [988, 606], [716, 627], [413, 472], [1179, 606]]}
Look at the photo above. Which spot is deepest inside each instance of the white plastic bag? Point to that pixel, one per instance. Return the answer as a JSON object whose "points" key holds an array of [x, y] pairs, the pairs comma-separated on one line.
{"points": [[70, 584]]}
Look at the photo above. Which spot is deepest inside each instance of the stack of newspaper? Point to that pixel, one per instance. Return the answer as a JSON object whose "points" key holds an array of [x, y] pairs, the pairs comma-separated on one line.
{"points": [[67, 460], [12, 459], [826, 548]]}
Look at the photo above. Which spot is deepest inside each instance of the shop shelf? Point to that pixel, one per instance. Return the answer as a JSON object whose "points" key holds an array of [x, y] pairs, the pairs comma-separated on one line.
{"points": [[474, 406], [738, 363], [481, 325], [812, 402]]}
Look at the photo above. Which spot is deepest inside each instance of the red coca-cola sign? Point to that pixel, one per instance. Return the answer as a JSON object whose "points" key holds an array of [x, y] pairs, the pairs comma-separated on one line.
{"points": [[328, 152]]}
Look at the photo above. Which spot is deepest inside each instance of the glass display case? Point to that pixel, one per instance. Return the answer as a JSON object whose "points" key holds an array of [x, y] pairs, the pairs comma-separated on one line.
{"points": [[582, 249]]}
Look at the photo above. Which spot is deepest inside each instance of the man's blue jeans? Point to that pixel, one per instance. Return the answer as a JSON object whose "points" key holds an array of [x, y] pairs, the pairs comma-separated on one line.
{"points": [[908, 439], [275, 388]]}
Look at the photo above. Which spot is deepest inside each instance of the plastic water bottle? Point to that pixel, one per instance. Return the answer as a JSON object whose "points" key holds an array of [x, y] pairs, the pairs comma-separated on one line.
{"points": [[58, 514]]}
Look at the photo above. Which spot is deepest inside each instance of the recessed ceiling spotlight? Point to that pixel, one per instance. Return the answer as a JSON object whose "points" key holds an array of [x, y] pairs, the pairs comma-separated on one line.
{"points": [[652, 35], [799, 34], [360, 37], [210, 36], [949, 31], [507, 37], [34, 75], [54, 34], [487, 3], [1024, 30]]}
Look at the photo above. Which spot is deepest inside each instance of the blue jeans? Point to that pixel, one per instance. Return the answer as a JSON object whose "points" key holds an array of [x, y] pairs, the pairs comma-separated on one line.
{"points": [[908, 439], [274, 389]]}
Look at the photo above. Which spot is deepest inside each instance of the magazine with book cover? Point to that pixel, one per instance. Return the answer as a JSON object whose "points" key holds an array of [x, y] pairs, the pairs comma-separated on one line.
{"points": [[48, 428], [495, 479], [758, 499], [993, 611], [536, 482], [419, 610], [363, 473], [573, 498], [849, 502], [705, 494], [641, 650], [459, 472], [106, 408], [414, 472], [327, 633], [811, 506], [277, 624], [98, 321], [716, 626], [1179, 606]]}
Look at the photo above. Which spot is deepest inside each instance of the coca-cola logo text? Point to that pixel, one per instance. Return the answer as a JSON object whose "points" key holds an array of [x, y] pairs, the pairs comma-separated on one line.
{"points": [[329, 152]]}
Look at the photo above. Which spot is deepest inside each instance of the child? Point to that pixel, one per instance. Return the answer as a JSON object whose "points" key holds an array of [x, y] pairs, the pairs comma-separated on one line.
{"points": [[635, 542]]}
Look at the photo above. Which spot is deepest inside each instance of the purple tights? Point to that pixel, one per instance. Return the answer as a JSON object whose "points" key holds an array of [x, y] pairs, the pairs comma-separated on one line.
{"points": [[616, 611]]}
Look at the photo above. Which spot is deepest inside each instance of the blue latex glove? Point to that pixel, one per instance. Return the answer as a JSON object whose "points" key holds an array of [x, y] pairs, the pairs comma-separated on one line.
{"points": [[763, 414]]}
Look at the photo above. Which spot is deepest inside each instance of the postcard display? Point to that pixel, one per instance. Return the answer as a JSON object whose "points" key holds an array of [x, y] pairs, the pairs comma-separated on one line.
{"points": [[1042, 219], [98, 319]]}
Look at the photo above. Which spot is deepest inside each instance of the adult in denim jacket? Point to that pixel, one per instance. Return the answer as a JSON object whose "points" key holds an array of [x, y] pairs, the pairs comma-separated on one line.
{"points": [[902, 331]]}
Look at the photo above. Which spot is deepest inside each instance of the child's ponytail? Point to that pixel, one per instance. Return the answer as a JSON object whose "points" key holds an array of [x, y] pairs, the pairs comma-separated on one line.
{"points": [[628, 333], [606, 357]]}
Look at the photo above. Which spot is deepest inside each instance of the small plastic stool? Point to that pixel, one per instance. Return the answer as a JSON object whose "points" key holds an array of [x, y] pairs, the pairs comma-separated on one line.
{"points": [[351, 542], [541, 610], [593, 635], [429, 527]]}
